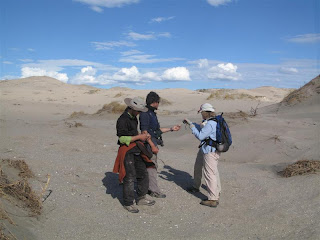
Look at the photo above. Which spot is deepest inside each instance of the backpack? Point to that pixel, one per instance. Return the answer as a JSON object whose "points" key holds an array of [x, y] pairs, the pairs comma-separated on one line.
{"points": [[223, 135]]}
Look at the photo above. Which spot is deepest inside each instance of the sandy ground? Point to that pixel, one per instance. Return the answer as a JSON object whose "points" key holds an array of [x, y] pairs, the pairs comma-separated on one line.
{"points": [[85, 199]]}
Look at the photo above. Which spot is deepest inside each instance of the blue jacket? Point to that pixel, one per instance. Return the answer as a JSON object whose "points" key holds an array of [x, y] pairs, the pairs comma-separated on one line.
{"points": [[209, 130], [149, 121]]}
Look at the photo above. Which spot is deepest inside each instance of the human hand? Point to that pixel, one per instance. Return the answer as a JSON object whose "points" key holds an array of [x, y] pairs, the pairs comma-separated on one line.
{"points": [[144, 136], [187, 121], [176, 128]]}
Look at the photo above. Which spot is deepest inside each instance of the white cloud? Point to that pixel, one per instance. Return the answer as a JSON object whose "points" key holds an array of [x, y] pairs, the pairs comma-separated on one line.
{"points": [[203, 63], [112, 44], [217, 3], [161, 19], [29, 72], [59, 64], [125, 74], [85, 76], [224, 72], [26, 60], [288, 70], [131, 52], [98, 5], [305, 38], [88, 75], [176, 74], [137, 36], [144, 58], [151, 76], [7, 62], [165, 34], [150, 36]]}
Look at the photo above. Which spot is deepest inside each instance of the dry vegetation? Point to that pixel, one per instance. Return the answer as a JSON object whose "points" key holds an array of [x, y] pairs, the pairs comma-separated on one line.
{"points": [[15, 189], [303, 93], [225, 95], [120, 94], [77, 114], [75, 124], [113, 107], [20, 189], [93, 91], [301, 167], [165, 102], [237, 115]]}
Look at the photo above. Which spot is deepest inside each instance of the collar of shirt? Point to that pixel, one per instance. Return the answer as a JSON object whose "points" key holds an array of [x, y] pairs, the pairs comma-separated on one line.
{"points": [[131, 116]]}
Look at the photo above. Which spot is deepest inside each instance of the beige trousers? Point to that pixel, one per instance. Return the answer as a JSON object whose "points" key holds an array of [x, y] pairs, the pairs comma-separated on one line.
{"points": [[208, 165]]}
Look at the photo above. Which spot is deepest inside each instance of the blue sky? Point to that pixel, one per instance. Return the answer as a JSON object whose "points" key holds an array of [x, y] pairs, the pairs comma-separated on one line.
{"points": [[155, 44]]}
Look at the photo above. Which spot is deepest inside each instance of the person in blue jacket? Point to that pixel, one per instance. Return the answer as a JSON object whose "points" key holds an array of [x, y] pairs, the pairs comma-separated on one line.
{"points": [[207, 157], [149, 124]]}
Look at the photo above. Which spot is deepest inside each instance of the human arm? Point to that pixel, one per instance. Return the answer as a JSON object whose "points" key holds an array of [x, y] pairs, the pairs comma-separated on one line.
{"points": [[127, 132], [129, 139], [154, 148], [172, 129], [204, 132], [144, 121]]}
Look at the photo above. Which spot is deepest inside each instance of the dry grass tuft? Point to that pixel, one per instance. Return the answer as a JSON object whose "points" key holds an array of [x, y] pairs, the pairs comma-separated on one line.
{"points": [[24, 170], [299, 95], [165, 102], [92, 91], [236, 115], [120, 94], [301, 167], [113, 107], [20, 189], [224, 95], [75, 124], [77, 114], [294, 97], [276, 138]]}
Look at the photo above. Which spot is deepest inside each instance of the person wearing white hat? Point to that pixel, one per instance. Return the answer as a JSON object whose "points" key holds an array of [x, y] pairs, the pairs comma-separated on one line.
{"points": [[131, 160], [207, 157]]}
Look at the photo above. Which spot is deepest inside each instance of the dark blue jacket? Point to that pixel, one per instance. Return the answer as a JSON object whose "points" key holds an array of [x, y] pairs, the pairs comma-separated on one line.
{"points": [[149, 122]]}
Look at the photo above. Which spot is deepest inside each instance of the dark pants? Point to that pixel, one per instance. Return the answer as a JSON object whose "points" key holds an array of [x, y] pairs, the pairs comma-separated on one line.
{"points": [[135, 170]]}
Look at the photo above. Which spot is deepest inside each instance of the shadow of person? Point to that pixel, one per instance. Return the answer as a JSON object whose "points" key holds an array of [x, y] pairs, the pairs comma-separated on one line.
{"points": [[111, 182], [181, 178]]}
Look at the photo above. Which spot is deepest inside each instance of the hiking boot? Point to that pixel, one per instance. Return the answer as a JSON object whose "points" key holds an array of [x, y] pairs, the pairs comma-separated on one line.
{"points": [[145, 201], [193, 190], [156, 195], [131, 209], [210, 203]]}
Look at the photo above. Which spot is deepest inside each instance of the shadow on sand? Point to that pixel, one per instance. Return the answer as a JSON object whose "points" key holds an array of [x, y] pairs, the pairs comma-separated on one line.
{"points": [[113, 187], [181, 178]]}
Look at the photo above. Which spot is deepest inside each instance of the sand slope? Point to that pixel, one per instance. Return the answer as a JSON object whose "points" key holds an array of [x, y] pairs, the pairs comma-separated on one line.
{"points": [[85, 203]]}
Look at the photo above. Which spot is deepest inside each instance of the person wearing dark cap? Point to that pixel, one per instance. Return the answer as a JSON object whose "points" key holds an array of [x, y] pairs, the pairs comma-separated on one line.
{"points": [[149, 124], [132, 156], [207, 157]]}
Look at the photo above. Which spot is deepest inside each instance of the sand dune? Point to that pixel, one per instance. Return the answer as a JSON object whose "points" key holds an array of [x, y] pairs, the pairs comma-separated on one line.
{"points": [[38, 125]]}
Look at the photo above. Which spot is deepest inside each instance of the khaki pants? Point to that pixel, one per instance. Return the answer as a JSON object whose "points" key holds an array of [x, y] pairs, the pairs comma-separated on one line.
{"points": [[153, 175], [208, 165]]}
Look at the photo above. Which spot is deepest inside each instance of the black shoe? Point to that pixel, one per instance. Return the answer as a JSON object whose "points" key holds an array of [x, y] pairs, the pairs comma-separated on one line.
{"points": [[192, 190], [156, 195]]}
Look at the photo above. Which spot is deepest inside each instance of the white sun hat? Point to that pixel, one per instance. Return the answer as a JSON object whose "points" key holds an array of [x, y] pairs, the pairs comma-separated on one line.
{"points": [[206, 107], [136, 104]]}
